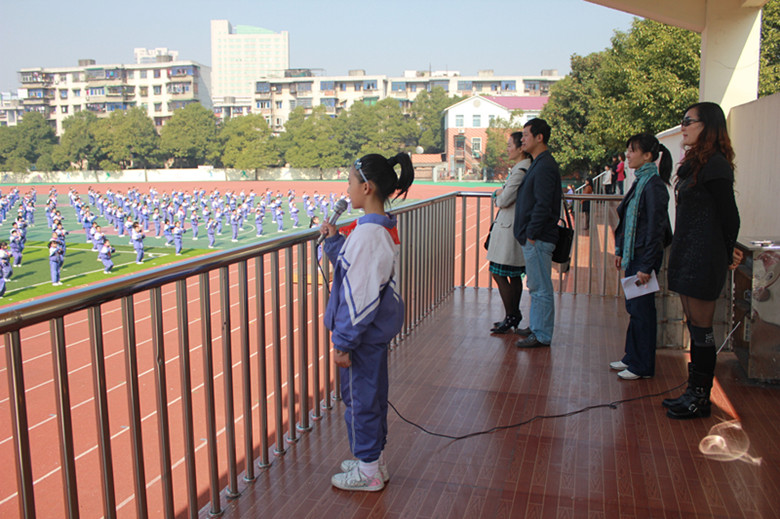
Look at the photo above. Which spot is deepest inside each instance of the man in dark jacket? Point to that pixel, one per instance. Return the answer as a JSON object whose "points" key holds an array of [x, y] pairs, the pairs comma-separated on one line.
{"points": [[537, 210]]}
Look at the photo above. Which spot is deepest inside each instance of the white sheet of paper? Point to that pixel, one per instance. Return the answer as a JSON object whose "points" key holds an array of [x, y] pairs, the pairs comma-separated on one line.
{"points": [[631, 289]]}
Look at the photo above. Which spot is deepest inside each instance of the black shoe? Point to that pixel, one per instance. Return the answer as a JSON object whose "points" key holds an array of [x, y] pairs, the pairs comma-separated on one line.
{"points": [[695, 402], [508, 324], [674, 402], [525, 332], [531, 342], [499, 323]]}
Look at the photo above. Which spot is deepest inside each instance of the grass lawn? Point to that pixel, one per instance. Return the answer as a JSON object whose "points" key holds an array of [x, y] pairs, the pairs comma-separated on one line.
{"points": [[82, 267]]}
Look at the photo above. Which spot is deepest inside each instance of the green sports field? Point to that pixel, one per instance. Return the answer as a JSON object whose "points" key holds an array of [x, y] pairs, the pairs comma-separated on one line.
{"points": [[81, 265]]}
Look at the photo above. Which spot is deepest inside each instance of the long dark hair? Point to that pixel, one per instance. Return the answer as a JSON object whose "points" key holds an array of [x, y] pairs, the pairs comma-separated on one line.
{"points": [[714, 138], [380, 171], [648, 143]]}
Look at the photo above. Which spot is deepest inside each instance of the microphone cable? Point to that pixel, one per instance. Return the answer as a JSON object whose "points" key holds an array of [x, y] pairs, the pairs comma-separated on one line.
{"points": [[611, 405]]}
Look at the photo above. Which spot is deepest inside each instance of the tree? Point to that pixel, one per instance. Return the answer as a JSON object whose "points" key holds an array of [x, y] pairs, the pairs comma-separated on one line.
{"points": [[189, 138], [311, 141], [77, 144], [247, 143], [381, 128], [494, 159], [427, 111], [642, 83], [23, 145], [769, 76]]}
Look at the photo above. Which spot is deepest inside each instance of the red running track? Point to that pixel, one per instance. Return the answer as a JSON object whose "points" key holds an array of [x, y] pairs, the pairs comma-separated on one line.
{"points": [[38, 372]]}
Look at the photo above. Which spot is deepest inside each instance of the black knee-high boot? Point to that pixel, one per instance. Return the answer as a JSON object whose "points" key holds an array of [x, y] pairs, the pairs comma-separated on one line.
{"points": [[669, 402], [695, 402]]}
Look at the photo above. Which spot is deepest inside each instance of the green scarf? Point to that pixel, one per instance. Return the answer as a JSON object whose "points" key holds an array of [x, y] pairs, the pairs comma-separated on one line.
{"points": [[643, 176]]}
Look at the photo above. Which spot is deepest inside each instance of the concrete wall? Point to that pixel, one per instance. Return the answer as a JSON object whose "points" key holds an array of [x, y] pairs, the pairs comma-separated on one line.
{"points": [[754, 129]]}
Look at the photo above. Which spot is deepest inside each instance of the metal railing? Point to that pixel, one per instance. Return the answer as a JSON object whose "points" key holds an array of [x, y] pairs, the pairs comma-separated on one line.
{"points": [[254, 312], [170, 433], [591, 270]]}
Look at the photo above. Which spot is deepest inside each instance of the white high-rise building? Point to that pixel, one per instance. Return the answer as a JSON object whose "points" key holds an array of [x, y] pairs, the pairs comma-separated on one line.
{"points": [[242, 54]]}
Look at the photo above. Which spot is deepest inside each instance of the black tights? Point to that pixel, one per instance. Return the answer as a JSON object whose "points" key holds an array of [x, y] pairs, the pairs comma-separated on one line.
{"points": [[699, 313], [510, 290]]}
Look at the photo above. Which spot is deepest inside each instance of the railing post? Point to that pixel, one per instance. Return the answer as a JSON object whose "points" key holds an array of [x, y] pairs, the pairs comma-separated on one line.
{"points": [[18, 404], [227, 373], [262, 377], [289, 304], [64, 422], [246, 372], [101, 411], [277, 349], [208, 393], [186, 397], [134, 406], [303, 366], [161, 388], [316, 410]]}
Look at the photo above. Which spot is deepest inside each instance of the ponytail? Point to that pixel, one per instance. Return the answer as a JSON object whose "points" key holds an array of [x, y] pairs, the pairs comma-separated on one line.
{"points": [[381, 172], [648, 143]]}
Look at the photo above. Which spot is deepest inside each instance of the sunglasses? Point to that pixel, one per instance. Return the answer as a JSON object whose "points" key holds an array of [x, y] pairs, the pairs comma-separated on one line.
{"points": [[687, 121]]}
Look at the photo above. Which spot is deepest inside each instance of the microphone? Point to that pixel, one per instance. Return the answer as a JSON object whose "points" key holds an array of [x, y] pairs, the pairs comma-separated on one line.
{"points": [[339, 208]]}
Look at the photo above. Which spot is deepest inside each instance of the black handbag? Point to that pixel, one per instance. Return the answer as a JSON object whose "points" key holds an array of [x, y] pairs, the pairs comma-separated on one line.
{"points": [[562, 252], [487, 240]]}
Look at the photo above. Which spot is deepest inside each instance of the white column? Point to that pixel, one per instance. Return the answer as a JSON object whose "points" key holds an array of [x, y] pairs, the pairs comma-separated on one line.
{"points": [[730, 47]]}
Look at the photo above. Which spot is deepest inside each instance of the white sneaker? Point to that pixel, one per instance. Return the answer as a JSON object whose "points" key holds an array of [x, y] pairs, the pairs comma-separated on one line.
{"points": [[348, 465], [618, 365], [356, 480], [628, 375]]}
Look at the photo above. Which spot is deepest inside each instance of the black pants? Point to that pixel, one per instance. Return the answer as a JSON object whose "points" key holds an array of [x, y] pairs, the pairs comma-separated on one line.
{"points": [[641, 334]]}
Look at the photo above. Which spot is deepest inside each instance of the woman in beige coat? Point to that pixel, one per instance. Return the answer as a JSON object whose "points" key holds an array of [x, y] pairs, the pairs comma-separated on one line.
{"points": [[507, 265]]}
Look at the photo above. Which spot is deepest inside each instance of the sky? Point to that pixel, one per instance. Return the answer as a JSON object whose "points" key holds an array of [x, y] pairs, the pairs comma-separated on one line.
{"points": [[519, 37]]}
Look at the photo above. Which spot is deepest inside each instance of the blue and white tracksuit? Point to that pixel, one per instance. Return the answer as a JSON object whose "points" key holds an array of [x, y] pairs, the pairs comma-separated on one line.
{"points": [[364, 312]]}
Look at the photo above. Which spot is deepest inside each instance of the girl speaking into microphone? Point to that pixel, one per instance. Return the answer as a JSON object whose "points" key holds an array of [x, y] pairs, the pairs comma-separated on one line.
{"points": [[365, 312]]}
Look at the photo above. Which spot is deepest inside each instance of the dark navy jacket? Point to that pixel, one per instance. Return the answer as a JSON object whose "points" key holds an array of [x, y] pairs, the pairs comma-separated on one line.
{"points": [[538, 205], [652, 225]]}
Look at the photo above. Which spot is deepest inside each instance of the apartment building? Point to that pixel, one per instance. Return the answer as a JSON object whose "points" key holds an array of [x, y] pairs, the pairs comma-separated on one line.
{"points": [[276, 98], [160, 88], [11, 109], [240, 55], [466, 124]]}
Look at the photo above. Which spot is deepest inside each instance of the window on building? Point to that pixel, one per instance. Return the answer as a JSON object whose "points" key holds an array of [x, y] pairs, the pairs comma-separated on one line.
{"points": [[476, 121], [157, 90], [64, 109], [278, 105], [63, 94], [143, 91], [76, 108], [327, 86], [491, 118], [476, 147], [412, 87], [459, 121], [142, 74], [130, 74], [464, 86], [398, 86], [460, 142], [157, 73], [508, 86], [262, 87], [158, 107]]}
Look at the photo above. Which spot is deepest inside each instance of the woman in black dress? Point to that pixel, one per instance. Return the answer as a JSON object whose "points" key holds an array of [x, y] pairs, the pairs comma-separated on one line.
{"points": [[702, 250]]}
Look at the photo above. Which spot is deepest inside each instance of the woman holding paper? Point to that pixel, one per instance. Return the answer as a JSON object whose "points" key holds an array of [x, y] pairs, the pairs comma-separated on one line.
{"points": [[639, 248]]}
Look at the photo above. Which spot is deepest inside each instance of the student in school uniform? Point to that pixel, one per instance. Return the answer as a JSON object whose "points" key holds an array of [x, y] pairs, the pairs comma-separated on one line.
{"points": [[137, 235], [234, 225], [178, 235], [5, 261], [105, 256], [259, 222], [16, 247], [211, 229], [168, 233], [55, 262], [194, 221]]}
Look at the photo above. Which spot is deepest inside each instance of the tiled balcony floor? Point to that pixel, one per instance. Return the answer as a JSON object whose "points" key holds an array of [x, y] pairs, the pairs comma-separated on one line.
{"points": [[453, 377]]}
